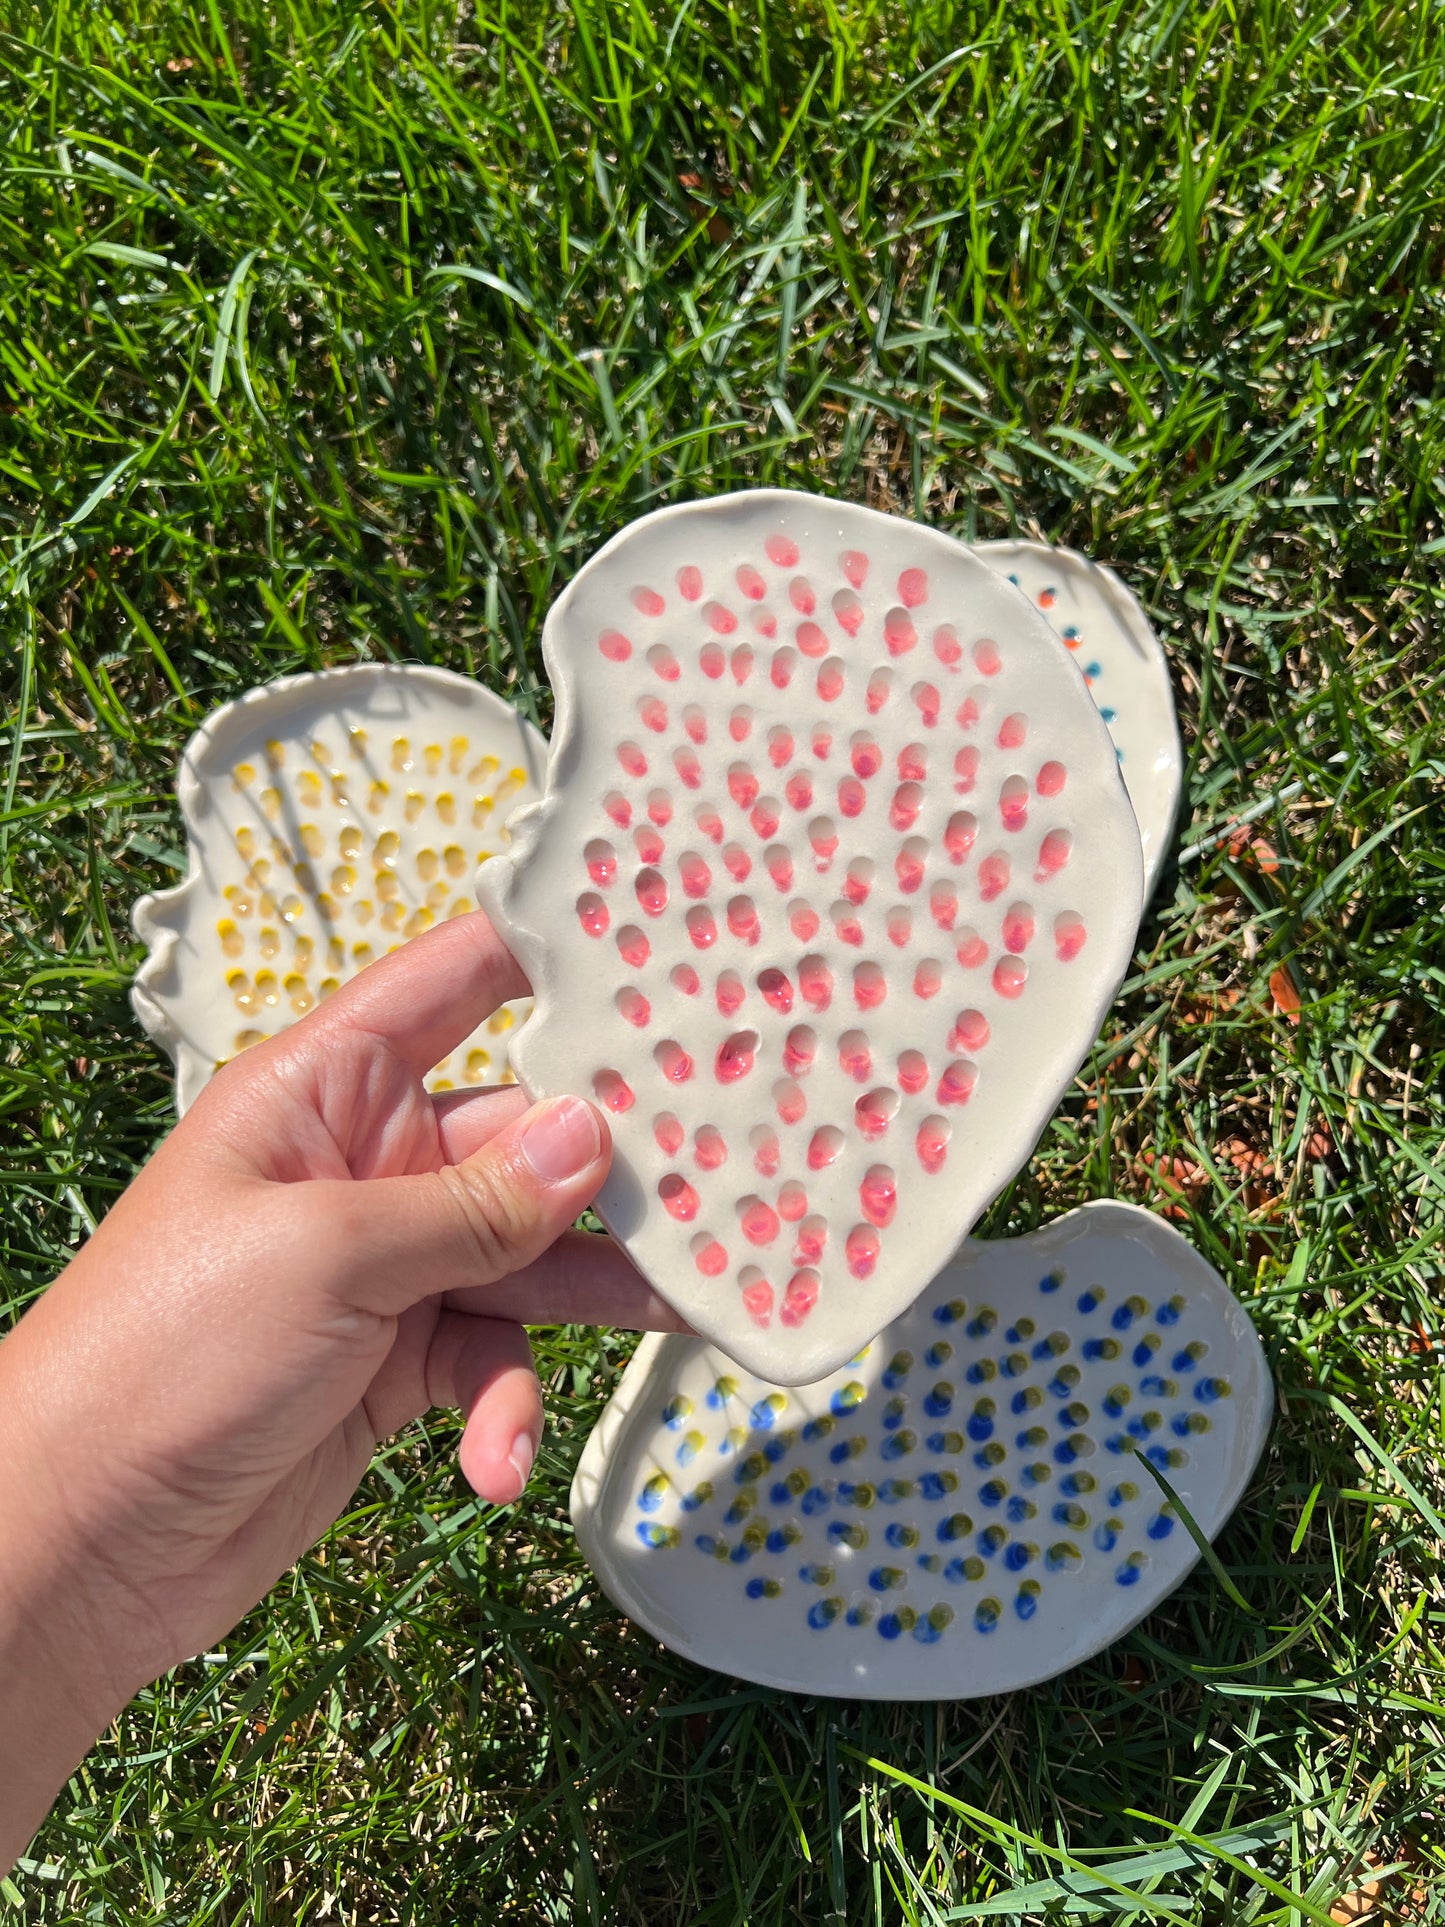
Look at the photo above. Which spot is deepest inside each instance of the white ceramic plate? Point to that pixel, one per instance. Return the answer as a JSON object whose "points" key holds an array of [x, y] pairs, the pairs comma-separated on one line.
{"points": [[329, 817], [960, 1510], [1120, 657], [833, 881]]}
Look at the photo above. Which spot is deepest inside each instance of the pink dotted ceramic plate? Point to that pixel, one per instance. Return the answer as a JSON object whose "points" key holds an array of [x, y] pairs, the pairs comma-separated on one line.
{"points": [[832, 882], [970, 1504], [329, 818], [1112, 640]]}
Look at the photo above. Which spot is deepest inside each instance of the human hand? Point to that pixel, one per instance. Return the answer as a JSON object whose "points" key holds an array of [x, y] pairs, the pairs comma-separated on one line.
{"points": [[318, 1253]]}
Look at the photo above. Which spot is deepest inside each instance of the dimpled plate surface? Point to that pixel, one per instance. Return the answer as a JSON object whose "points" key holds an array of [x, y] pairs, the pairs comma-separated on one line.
{"points": [[834, 878], [1120, 657], [960, 1510], [329, 817]]}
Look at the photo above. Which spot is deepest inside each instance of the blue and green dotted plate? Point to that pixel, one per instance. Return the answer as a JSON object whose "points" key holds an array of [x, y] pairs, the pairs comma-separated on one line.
{"points": [[970, 1505], [1122, 660]]}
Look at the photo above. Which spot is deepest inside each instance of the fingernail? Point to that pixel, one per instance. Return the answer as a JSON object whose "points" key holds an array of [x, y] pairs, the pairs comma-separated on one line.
{"points": [[561, 1140], [520, 1459]]}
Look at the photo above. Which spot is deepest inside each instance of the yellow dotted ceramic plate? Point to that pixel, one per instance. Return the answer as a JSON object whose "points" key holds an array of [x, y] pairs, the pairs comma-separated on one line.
{"points": [[329, 818]]}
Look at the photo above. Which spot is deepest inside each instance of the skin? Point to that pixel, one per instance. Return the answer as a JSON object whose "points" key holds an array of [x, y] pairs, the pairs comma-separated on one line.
{"points": [[318, 1254]]}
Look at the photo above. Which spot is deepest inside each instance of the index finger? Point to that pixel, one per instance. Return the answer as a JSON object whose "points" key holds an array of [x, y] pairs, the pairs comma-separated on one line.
{"points": [[424, 997]]}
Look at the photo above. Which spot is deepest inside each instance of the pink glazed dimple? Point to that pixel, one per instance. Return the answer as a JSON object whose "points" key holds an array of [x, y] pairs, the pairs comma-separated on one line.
{"points": [[870, 986], [927, 701], [678, 1197], [701, 927], [800, 1296], [803, 920], [1050, 779], [1069, 936], [709, 1256], [912, 1072], [1013, 803], [612, 1091], [848, 611], [899, 634], [673, 1061], [800, 1047], [632, 947], [1018, 927], [931, 1143], [811, 1241], [862, 1249], [907, 802], [855, 1056], [847, 925], [729, 993], [859, 881], [792, 1202], [736, 1056], [1053, 854], [633, 1007], [779, 861], [878, 1195], [875, 1111]]}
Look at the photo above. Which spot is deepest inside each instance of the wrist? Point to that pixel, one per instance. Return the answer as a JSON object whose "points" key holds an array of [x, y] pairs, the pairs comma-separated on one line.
{"points": [[62, 1678], [50, 1716]]}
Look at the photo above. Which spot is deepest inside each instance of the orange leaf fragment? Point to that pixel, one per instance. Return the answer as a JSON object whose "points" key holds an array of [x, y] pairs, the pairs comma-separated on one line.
{"points": [[1285, 993]]}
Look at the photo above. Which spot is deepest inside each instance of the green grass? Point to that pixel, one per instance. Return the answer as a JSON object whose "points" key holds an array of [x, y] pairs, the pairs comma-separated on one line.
{"points": [[351, 331]]}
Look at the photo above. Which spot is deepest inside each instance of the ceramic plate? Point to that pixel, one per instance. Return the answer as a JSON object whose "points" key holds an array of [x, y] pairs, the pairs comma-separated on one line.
{"points": [[329, 817], [969, 1505], [833, 881], [1122, 661]]}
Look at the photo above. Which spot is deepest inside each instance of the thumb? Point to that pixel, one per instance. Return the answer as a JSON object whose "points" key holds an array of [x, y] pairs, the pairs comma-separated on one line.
{"points": [[395, 1241]]}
